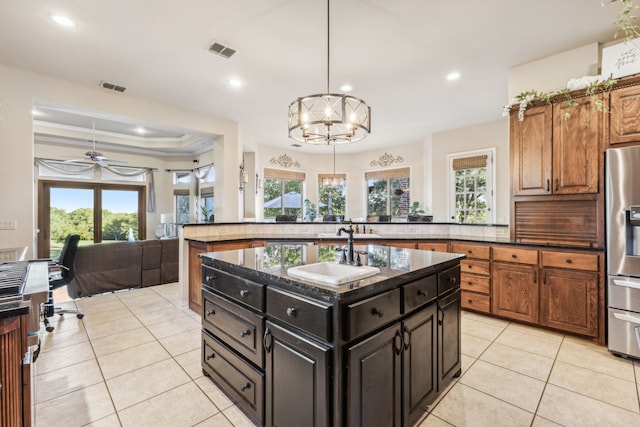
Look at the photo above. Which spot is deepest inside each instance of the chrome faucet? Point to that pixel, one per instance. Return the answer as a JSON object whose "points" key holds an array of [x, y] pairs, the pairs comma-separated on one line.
{"points": [[350, 259]]}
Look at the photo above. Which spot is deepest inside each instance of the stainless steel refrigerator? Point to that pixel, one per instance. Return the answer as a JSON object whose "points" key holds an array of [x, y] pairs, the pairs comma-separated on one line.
{"points": [[623, 250]]}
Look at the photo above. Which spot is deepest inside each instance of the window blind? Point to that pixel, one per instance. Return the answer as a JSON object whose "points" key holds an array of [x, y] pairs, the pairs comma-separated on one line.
{"points": [[282, 174], [470, 162], [388, 174]]}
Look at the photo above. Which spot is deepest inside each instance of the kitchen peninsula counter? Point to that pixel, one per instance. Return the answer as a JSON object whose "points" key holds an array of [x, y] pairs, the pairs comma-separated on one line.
{"points": [[370, 352]]}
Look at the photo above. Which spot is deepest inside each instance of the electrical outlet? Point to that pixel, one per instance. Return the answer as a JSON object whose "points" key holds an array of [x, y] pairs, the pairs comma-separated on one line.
{"points": [[8, 224]]}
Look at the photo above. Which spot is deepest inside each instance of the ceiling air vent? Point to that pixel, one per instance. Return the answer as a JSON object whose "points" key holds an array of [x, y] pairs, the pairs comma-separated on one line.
{"points": [[112, 86], [222, 50]]}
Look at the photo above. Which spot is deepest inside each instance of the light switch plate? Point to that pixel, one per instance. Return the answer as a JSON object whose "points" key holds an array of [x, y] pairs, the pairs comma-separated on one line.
{"points": [[11, 224]]}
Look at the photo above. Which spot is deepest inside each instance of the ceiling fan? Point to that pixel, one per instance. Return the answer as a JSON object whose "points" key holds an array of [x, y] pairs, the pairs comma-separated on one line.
{"points": [[96, 156]]}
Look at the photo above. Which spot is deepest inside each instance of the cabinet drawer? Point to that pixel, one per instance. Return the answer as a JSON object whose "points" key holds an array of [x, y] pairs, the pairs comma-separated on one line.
{"points": [[522, 256], [239, 328], [574, 261], [475, 267], [471, 251], [420, 292], [238, 378], [309, 315], [448, 279], [471, 282], [474, 301], [365, 316], [434, 246], [237, 288]]}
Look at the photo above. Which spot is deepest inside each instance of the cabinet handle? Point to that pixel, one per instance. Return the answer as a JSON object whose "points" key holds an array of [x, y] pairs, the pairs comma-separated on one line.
{"points": [[291, 312], [514, 256], [266, 340], [535, 277], [376, 312], [453, 280], [245, 333], [470, 283], [208, 279], [469, 251], [556, 189], [423, 293], [470, 301], [548, 186], [544, 278], [470, 266], [406, 337], [244, 293], [397, 342], [210, 313], [440, 312], [211, 356], [569, 261], [247, 386]]}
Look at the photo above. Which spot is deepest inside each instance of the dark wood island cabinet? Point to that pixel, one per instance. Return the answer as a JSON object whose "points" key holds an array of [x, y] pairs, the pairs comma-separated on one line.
{"points": [[371, 352]]}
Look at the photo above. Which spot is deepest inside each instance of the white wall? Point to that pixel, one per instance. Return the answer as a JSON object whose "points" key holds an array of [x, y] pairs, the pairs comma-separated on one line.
{"points": [[18, 90], [493, 134]]}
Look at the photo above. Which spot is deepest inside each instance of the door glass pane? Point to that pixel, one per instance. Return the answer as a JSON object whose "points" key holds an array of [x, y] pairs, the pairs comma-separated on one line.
{"points": [[71, 211], [119, 215]]}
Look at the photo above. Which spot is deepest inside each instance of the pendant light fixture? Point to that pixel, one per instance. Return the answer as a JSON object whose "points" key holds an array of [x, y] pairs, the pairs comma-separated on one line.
{"points": [[333, 181], [329, 118]]}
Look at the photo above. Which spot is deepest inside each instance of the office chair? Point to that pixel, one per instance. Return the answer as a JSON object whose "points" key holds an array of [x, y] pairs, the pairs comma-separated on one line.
{"points": [[331, 218], [61, 272], [286, 218]]}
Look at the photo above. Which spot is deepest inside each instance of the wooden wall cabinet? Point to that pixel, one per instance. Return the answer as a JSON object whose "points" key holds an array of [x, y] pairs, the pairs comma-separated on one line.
{"points": [[624, 120], [554, 155]]}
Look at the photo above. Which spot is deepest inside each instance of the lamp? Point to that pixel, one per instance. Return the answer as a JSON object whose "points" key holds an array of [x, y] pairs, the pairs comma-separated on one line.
{"points": [[244, 176], [333, 181], [329, 118]]}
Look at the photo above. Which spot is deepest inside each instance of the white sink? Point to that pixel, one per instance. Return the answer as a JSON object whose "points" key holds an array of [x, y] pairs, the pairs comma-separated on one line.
{"points": [[345, 236], [332, 273]]}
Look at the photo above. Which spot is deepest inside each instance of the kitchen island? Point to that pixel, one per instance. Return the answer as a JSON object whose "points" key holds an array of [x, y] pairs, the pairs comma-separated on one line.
{"points": [[373, 352]]}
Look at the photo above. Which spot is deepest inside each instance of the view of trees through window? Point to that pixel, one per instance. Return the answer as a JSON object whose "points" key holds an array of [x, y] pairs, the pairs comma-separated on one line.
{"points": [[388, 197], [72, 210], [282, 196], [471, 195], [332, 201]]}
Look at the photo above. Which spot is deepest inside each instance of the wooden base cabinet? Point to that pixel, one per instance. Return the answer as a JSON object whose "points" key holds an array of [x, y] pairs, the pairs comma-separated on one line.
{"points": [[515, 283], [569, 300], [13, 387], [297, 370]]}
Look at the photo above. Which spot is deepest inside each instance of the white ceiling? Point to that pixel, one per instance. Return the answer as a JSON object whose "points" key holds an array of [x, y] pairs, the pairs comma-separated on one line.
{"points": [[395, 54]]}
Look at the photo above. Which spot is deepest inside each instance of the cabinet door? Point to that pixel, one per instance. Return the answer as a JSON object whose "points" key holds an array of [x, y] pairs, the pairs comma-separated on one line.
{"points": [[297, 370], [569, 300], [375, 377], [13, 342], [449, 331], [530, 142], [624, 120], [576, 147], [420, 363], [515, 291]]}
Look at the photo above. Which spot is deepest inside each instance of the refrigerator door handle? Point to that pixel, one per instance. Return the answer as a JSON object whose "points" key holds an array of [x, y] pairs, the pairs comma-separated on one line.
{"points": [[627, 283], [627, 318]]}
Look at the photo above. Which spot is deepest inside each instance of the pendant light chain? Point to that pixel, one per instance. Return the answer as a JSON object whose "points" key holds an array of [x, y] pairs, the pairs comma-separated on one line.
{"points": [[328, 44]]}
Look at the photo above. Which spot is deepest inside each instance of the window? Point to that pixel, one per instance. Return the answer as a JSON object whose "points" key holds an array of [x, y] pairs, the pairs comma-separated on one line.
{"points": [[332, 201], [182, 177], [388, 193], [206, 203], [282, 193], [97, 212], [181, 205], [471, 182]]}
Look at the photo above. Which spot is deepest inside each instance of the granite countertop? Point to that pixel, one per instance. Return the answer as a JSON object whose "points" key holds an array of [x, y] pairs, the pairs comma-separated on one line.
{"points": [[269, 264]]}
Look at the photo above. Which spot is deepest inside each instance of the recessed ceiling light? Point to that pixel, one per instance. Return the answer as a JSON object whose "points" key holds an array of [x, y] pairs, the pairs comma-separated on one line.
{"points": [[35, 112], [235, 82], [346, 88], [454, 75], [140, 130], [62, 20]]}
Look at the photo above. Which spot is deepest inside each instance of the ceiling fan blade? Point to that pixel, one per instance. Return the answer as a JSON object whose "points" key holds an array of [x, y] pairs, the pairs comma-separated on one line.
{"points": [[101, 163]]}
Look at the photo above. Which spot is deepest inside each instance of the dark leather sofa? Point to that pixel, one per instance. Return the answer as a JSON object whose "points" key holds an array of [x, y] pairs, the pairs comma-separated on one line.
{"points": [[108, 267]]}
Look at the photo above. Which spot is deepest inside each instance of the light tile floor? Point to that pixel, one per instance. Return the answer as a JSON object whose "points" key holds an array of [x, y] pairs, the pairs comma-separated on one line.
{"points": [[134, 360]]}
